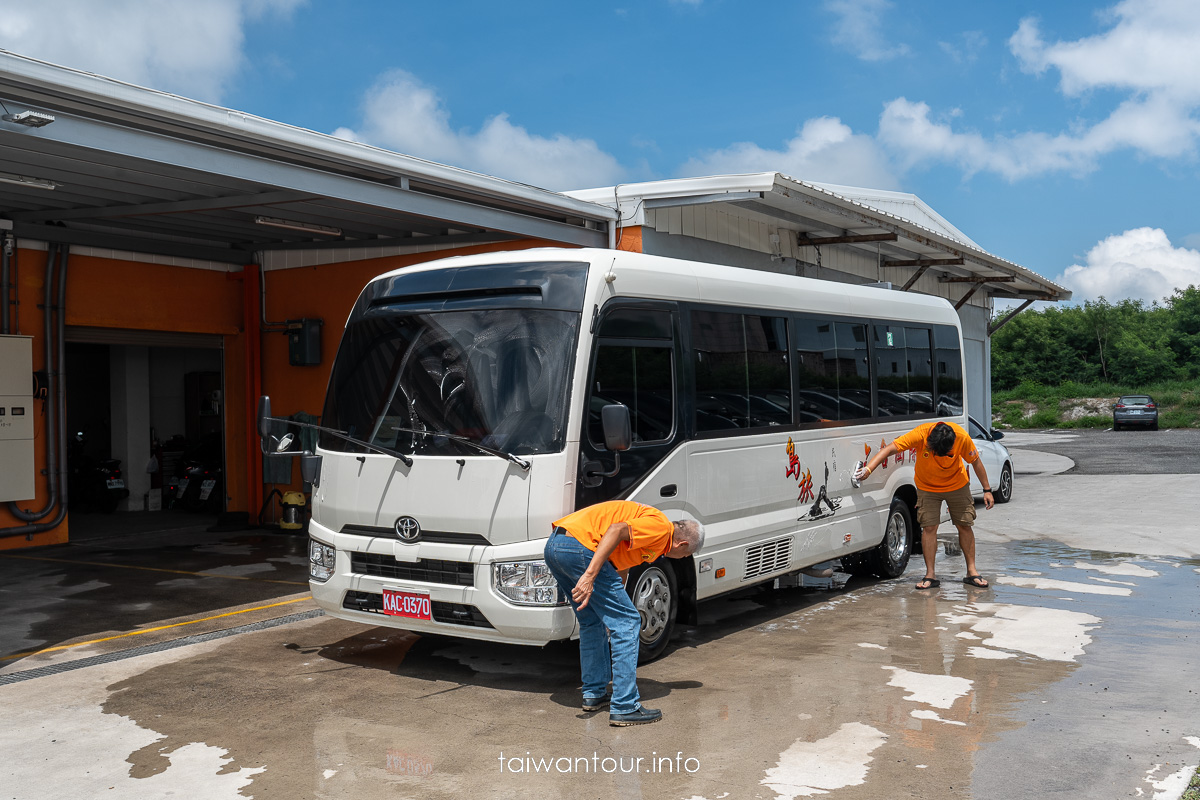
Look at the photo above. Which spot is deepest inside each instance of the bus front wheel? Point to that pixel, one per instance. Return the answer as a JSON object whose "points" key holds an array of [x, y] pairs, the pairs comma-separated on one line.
{"points": [[653, 590]]}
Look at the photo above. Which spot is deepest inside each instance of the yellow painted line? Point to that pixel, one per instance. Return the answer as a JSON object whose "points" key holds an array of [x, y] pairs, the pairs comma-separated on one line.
{"points": [[153, 569], [151, 630]]}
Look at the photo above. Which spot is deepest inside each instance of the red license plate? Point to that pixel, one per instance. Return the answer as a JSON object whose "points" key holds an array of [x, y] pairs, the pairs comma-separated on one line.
{"points": [[406, 604]]}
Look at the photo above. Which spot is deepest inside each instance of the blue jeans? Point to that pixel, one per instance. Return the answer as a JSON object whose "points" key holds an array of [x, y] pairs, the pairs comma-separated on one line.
{"points": [[608, 625]]}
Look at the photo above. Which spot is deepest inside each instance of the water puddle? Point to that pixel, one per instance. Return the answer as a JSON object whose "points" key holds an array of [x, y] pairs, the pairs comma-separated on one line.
{"points": [[837, 761]]}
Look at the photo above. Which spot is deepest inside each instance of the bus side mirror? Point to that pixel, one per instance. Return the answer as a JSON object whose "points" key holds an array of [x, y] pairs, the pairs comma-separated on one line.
{"points": [[617, 437], [264, 416], [617, 433], [310, 468]]}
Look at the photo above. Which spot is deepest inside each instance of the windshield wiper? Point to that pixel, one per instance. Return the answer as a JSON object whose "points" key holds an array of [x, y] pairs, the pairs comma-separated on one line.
{"points": [[520, 462], [408, 462]]}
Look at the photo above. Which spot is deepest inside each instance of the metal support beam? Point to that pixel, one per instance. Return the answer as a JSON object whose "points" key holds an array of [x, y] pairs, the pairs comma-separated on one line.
{"points": [[963, 300], [926, 262], [977, 279], [176, 207], [804, 240], [135, 244], [1000, 323], [915, 276], [391, 241]]}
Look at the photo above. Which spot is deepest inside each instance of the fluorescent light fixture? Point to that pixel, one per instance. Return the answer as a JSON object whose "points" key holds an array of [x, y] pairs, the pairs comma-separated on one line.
{"points": [[25, 180], [33, 119], [293, 225]]}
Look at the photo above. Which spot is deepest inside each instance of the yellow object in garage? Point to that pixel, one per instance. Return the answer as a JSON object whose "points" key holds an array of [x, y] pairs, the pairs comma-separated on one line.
{"points": [[293, 511]]}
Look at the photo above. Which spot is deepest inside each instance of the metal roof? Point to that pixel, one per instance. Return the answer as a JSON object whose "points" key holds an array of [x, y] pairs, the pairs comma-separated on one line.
{"points": [[922, 240], [129, 168]]}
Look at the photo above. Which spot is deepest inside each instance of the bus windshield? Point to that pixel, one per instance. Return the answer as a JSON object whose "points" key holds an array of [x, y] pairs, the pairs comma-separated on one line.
{"points": [[495, 376]]}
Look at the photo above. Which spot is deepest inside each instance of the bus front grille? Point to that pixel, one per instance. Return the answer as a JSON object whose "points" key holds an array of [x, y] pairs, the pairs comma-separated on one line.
{"points": [[448, 613], [425, 570], [768, 557]]}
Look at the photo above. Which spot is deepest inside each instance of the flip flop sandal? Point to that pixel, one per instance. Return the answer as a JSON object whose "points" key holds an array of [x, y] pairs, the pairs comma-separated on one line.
{"points": [[977, 581], [933, 584]]}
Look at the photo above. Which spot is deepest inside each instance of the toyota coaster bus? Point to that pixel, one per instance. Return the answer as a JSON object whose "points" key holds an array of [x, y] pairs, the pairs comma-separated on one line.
{"points": [[474, 400]]}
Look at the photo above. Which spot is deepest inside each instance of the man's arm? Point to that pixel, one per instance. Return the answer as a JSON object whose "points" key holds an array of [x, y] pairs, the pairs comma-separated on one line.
{"points": [[617, 532], [877, 459], [988, 500]]}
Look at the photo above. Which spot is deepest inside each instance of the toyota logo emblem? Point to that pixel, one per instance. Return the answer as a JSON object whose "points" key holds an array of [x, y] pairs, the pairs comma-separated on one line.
{"points": [[408, 530]]}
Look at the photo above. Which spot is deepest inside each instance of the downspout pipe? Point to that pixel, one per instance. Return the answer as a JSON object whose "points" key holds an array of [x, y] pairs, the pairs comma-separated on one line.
{"points": [[57, 407], [5, 301]]}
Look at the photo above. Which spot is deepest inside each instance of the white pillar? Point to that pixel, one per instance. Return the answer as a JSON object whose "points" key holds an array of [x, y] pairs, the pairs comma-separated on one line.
{"points": [[130, 395]]}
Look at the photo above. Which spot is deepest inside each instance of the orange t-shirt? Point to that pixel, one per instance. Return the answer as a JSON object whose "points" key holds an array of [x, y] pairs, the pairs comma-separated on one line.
{"points": [[938, 473], [650, 532]]}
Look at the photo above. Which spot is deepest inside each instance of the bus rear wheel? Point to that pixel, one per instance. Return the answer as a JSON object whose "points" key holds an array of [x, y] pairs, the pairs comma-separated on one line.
{"points": [[652, 588], [890, 557]]}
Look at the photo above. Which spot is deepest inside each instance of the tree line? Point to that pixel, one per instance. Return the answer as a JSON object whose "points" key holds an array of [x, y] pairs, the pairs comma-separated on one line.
{"points": [[1128, 342]]}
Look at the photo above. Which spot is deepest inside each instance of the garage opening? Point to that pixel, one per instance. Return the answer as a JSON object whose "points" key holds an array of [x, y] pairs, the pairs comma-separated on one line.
{"points": [[146, 431]]}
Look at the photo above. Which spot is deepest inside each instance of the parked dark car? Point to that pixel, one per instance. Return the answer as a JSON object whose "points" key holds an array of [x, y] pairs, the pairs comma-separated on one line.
{"points": [[1135, 409]]}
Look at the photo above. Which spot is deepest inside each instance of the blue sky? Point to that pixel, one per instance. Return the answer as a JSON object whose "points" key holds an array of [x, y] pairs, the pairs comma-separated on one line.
{"points": [[1062, 136]]}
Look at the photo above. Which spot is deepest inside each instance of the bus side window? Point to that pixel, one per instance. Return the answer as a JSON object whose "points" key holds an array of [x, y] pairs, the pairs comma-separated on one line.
{"points": [[817, 369], [634, 366], [719, 345], [854, 371], [637, 376], [948, 359]]}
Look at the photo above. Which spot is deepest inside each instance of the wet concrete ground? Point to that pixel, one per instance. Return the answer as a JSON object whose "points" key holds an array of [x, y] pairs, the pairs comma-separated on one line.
{"points": [[1075, 676]]}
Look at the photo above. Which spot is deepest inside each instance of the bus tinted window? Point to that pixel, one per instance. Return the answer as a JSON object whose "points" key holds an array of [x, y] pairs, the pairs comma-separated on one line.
{"points": [[904, 383], [854, 373], [948, 359], [891, 364], [817, 368], [638, 377], [742, 378], [920, 371], [769, 380], [636, 323]]}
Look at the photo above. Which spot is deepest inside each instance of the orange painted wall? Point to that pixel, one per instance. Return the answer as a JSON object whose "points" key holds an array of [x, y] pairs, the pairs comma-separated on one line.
{"points": [[111, 293], [630, 239]]}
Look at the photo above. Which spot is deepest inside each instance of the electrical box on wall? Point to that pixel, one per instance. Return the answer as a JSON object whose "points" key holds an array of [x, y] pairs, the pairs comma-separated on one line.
{"points": [[16, 419], [304, 343]]}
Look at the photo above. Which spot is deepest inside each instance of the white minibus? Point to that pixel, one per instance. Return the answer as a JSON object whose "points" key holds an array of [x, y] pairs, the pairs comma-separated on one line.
{"points": [[466, 412]]}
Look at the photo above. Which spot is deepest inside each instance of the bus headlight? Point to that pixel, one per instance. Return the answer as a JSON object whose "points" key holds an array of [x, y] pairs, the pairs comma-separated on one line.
{"points": [[527, 583], [321, 559]]}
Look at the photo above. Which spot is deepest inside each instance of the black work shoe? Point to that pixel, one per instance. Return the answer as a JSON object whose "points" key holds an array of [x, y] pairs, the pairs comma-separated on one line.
{"points": [[643, 716], [596, 703]]}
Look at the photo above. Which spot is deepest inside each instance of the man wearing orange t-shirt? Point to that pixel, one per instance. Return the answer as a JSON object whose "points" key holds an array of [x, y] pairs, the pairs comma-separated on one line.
{"points": [[590, 554], [941, 449]]}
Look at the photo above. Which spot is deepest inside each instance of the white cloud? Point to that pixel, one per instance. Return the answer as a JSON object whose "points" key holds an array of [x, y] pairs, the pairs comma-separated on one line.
{"points": [[1149, 56], [403, 114], [1139, 264], [859, 29], [1151, 47], [181, 46], [825, 150]]}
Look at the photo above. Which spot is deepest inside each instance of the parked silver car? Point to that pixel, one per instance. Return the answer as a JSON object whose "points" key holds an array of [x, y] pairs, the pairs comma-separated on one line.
{"points": [[1135, 409], [997, 462]]}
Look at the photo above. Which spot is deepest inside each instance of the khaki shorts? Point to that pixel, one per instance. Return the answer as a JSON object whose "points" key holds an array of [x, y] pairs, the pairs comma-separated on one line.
{"points": [[960, 502]]}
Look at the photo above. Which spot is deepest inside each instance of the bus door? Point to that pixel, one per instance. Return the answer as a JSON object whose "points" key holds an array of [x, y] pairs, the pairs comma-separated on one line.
{"points": [[635, 362]]}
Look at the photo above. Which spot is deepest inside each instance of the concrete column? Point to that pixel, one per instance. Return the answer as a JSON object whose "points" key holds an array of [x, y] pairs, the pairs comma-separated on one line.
{"points": [[130, 395]]}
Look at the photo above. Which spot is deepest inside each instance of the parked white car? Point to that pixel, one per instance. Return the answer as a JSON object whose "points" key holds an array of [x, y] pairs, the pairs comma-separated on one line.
{"points": [[997, 460]]}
